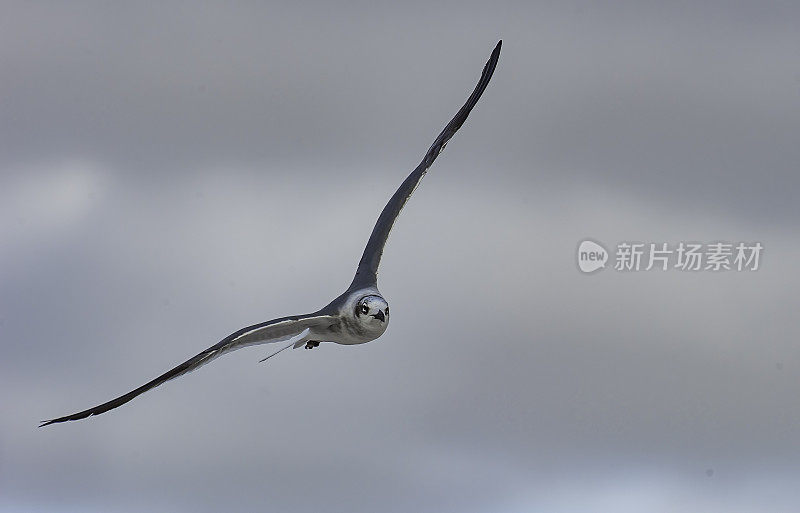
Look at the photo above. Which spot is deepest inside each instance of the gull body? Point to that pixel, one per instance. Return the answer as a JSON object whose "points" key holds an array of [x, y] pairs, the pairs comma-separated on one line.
{"points": [[357, 316]]}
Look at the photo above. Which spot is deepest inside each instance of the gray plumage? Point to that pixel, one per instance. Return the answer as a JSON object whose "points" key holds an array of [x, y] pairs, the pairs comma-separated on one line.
{"points": [[357, 316]]}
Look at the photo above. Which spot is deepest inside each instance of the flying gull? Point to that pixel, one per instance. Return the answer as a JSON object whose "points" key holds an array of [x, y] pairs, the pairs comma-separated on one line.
{"points": [[359, 315]]}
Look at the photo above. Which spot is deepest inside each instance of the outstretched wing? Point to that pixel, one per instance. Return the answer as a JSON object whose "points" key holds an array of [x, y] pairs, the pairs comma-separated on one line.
{"points": [[275, 330], [367, 273]]}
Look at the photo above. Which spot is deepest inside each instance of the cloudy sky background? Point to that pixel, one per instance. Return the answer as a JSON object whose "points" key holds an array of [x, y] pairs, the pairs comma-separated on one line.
{"points": [[170, 174]]}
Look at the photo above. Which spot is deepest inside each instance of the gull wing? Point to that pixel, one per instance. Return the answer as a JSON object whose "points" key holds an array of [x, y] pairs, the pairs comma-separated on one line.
{"points": [[276, 330], [367, 273]]}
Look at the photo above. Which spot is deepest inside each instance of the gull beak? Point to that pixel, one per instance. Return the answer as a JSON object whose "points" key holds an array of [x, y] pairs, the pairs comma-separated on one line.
{"points": [[380, 316]]}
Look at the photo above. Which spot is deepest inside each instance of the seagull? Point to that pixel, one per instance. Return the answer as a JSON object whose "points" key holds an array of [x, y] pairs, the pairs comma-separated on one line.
{"points": [[357, 316]]}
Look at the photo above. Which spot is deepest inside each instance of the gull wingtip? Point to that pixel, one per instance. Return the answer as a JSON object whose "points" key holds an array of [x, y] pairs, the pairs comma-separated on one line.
{"points": [[496, 52], [497, 47]]}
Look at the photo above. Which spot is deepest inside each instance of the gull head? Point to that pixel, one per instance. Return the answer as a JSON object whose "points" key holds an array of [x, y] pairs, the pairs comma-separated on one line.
{"points": [[372, 312]]}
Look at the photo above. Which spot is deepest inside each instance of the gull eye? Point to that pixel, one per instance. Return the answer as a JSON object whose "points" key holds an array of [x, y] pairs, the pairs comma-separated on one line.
{"points": [[387, 310], [364, 309]]}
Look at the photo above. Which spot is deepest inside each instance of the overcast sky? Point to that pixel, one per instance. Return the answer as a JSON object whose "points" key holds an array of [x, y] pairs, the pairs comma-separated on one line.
{"points": [[171, 174]]}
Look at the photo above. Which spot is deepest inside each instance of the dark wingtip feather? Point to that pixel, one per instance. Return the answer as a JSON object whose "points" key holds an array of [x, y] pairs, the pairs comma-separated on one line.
{"points": [[76, 416], [54, 421], [48, 422]]}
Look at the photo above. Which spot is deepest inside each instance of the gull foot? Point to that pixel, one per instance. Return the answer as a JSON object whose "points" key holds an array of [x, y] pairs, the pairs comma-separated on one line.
{"points": [[311, 344]]}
